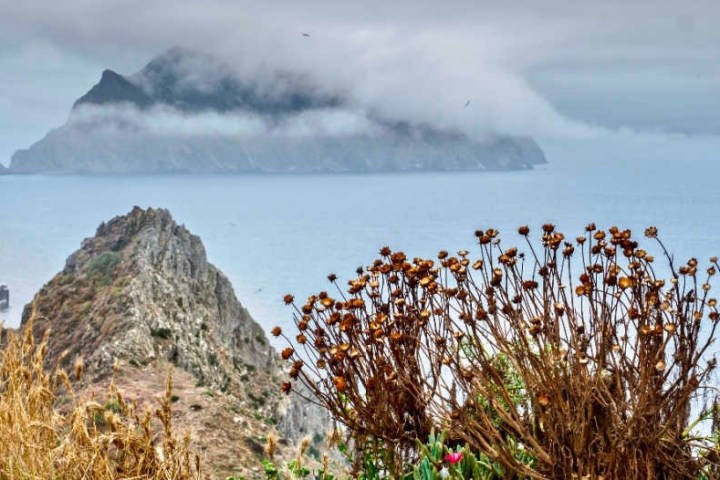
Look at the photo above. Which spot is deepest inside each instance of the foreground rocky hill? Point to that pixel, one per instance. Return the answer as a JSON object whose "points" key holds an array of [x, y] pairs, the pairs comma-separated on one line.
{"points": [[188, 112], [139, 300]]}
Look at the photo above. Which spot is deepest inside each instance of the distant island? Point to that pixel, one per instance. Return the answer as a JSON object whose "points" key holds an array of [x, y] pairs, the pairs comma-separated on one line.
{"points": [[187, 112]]}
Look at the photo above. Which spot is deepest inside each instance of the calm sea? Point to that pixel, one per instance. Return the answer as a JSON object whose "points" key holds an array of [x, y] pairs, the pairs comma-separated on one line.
{"points": [[274, 234]]}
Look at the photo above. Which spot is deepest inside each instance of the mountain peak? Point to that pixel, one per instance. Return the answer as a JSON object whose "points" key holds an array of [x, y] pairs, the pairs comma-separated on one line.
{"points": [[114, 88], [143, 290]]}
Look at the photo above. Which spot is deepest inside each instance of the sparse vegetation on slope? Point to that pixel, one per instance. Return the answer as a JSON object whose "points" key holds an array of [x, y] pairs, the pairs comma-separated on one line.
{"points": [[138, 300]]}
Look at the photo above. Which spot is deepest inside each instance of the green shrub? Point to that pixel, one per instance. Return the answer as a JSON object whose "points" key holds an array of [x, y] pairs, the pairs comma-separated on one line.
{"points": [[103, 266], [164, 333]]}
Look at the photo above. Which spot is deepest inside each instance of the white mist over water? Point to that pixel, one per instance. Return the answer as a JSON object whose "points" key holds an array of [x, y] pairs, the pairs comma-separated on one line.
{"points": [[277, 234]]}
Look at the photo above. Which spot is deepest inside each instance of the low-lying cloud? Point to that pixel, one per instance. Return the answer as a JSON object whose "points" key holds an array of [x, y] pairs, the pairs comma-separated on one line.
{"points": [[163, 120]]}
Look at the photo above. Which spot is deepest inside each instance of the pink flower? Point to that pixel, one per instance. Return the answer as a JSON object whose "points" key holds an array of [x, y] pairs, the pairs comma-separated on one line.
{"points": [[454, 457]]}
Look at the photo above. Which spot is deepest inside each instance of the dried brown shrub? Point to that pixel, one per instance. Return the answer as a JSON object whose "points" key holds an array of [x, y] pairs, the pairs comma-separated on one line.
{"points": [[577, 354]]}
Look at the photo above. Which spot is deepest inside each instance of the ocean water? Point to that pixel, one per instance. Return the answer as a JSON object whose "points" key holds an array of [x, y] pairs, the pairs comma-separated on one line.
{"points": [[277, 234]]}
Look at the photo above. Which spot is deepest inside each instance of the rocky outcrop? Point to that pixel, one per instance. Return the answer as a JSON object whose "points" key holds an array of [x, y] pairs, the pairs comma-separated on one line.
{"points": [[142, 289], [140, 298], [173, 116]]}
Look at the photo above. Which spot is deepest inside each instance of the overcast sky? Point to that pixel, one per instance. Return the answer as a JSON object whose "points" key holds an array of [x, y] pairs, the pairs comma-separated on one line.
{"points": [[547, 68]]}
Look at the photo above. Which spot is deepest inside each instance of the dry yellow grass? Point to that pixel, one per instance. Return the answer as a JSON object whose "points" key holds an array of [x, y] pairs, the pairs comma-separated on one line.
{"points": [[47, 432]]}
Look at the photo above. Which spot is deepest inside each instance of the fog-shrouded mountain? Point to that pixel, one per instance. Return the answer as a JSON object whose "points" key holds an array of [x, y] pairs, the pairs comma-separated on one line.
{"points": [[188, 112]]}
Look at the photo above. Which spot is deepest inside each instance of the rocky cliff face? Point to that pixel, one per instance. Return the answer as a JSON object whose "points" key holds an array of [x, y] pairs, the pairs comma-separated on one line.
{"points": [[188, 112], [140, 299]]}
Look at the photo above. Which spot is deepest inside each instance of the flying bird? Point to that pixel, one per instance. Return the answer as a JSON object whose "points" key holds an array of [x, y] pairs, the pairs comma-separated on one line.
{"points": [[467, 104], [305, 34]]}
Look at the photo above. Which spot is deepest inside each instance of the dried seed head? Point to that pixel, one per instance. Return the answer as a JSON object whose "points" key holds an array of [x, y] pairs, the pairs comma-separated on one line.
{"points": [[288, 299], [271, 445], [340, 383], [79, 367], [276, 331], [287, 353]]}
